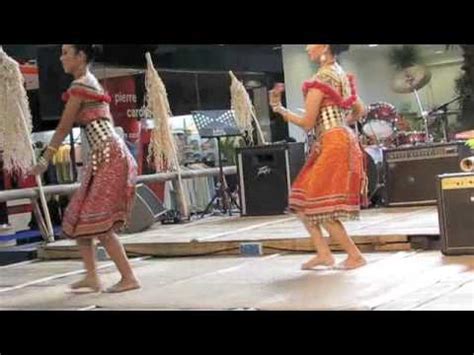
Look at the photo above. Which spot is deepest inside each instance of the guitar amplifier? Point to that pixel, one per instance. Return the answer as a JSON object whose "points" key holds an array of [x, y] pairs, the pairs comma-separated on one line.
{"points": [[410, 173], [265, 174], [455, 210]]}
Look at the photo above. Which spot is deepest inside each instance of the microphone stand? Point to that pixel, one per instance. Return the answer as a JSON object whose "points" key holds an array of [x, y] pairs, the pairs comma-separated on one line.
{"points": [[444, 116]]}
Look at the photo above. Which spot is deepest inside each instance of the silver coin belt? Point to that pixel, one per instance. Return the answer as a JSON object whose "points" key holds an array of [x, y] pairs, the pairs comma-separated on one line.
{"points": [[99, 135]]}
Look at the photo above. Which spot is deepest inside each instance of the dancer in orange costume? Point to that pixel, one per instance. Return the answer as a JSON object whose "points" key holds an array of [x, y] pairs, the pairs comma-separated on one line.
{"points": [[332, 185]]}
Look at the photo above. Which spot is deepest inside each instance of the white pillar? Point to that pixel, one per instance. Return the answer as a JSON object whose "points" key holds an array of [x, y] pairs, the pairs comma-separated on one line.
{"points": [[297, 68], [260, 102]]}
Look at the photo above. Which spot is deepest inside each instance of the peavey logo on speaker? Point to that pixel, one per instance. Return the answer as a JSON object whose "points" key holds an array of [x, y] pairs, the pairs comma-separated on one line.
{"points": [[264, 171]]}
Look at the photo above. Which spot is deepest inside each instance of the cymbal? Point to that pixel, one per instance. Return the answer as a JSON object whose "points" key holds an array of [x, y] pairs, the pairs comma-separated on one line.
{"points": [[410, 79]]}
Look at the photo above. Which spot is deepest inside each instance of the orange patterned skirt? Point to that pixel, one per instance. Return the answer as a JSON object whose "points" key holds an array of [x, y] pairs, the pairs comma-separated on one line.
{"points": [[332, 184]]}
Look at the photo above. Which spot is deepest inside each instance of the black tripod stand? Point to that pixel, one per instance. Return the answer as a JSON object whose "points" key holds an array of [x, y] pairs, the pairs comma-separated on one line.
{"points": [[223, 195], [218, 124]]}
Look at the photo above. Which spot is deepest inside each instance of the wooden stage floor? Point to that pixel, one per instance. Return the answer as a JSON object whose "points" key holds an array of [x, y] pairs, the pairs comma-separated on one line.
{"points": [[198, 266], [384, 229], [407, 280]]}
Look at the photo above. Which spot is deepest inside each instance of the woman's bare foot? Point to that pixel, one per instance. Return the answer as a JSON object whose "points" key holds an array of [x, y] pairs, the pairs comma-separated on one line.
{"points": [[123, 286], [88, 282], [352, 263], [318, 261]]}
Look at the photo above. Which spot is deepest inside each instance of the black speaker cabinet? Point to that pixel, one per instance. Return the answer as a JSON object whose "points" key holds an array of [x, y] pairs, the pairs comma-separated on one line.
{"points": [[146, 210], [455, 210], [410, 173], [297, 158], [265, 176]]}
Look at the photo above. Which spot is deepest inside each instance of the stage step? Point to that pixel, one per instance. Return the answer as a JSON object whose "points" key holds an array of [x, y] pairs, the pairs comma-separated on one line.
{"points": [[18, 253]]}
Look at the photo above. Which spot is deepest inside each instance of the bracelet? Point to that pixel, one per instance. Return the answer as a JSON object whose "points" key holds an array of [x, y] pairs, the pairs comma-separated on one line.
{"points": [[277, 108], [42, 161], [282, 111]]}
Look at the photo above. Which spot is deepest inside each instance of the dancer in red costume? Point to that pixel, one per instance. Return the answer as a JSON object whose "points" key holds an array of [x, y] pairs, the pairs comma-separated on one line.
{"points": [[332, 185], [102, 204]]}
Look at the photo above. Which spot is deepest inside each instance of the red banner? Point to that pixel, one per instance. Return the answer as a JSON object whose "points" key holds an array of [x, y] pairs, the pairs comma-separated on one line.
{"points": [[123, 107], [126, 111]]}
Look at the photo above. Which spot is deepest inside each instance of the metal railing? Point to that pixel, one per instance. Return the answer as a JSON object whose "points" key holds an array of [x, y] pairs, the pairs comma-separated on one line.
{"points": [[68, 189]]}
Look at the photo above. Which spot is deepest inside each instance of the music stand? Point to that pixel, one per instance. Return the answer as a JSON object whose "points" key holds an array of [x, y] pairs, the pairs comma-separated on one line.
{"points": [[218, 124]]}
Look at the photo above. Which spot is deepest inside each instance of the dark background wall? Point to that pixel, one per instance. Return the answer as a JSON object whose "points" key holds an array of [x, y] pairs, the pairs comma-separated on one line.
{"points": [[257, 58], [193, 90]]}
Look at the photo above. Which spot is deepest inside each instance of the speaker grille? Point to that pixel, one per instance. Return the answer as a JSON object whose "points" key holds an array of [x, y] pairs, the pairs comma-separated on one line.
{"points": [[263, 178], [455, 207], [411, 173], [151, 200]]}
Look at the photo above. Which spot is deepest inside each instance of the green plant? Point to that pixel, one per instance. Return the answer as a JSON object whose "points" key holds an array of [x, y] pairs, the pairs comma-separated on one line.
{"points": [[404, 57], [464, 87]]}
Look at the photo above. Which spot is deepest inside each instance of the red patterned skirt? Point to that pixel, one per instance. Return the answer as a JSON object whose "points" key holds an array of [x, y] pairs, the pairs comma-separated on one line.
{"points": [[104, 200], [331, 185]]}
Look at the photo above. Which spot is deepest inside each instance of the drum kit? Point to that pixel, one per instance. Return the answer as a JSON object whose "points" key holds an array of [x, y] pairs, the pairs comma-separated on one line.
{"points": [[383, 127]]}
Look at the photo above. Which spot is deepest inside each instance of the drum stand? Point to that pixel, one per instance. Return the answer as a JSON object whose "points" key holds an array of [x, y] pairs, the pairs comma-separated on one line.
{"points": [[424, 116], [378, 187]]}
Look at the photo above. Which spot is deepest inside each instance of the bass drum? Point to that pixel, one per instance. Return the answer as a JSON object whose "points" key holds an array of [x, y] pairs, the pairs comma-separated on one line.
{"points": [[374, 159], [378, 130], [379, 123]]}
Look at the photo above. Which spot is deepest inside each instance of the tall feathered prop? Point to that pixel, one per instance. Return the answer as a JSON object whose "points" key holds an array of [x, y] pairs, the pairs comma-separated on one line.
{"points": [[163, 150], [16, 127], [243, 108]]}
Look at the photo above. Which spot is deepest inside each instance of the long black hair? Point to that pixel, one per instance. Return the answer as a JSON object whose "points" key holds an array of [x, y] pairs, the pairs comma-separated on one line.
{"points": [[91, 51], [337, 49]]}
